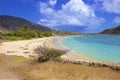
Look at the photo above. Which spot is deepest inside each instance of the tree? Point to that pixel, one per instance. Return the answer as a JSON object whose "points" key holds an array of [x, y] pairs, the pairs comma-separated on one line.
{"points": [[25, 28], [47, 33], [40, 34], [19, 33], [32, 34]]}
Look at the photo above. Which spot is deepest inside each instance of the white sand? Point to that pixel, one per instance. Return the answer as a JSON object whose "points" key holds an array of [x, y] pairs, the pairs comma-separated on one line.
{"points": [[23, 47]]}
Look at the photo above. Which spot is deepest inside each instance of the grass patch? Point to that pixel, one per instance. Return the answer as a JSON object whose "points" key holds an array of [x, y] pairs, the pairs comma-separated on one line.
{"points": [[8, 61], [3, 63], [52, 70], [15, 38], [64, 71], [1, 70], [18, 60]]}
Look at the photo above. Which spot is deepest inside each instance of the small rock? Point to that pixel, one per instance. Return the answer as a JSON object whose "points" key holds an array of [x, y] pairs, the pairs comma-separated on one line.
{"points": [[26, 52], [11, 51]]}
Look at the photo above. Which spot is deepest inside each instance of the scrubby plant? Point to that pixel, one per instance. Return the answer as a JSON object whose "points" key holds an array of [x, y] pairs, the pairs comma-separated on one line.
{"points": [[1, 35], [46, 54]]}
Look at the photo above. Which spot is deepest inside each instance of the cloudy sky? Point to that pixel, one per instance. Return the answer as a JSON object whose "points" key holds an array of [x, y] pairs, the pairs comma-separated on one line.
{"points": [[86, 16]]}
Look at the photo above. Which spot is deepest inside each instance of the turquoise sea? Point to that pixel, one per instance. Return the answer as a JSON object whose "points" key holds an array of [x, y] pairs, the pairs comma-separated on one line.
{"points": [[102, 48]]}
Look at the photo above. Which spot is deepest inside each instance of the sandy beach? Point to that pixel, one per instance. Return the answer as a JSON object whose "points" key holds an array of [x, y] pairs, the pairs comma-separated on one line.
{"points": [[26, 48], [23, 47]]}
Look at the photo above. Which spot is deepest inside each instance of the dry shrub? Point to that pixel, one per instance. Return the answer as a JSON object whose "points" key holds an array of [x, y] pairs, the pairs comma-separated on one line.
{"points": [[46, 54]]}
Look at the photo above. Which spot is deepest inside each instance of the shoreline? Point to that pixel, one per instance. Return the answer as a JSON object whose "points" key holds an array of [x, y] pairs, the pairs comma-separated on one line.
{"points": [[26, 48], [73, 57]]}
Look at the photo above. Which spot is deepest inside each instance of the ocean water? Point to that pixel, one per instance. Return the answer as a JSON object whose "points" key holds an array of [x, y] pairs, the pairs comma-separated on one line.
{"points": [[102, 48]]}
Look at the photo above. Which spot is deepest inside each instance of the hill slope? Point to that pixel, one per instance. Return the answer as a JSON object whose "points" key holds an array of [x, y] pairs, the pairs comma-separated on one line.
{"points": [[11, 23], [115, 30]]}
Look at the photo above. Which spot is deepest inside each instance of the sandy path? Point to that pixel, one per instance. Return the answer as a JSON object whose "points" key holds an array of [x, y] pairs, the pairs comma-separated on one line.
{"points": [[23, 47]]}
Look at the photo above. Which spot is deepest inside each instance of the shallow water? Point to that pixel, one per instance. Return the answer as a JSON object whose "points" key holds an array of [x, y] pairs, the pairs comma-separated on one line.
{"points": [[102, 48]]}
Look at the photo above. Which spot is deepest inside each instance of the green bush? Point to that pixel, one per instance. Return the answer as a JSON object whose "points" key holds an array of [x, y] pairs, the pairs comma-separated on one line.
{"points": [[25, 33], [19, 33], [47, 33], [53, 52], [25, 28], [9, 34], [46, 54], [1, 36], [40, 34], [32, 34]]}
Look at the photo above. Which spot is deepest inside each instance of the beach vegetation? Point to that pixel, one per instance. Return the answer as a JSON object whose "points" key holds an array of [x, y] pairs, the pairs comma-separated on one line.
{"points": [[25, 28], [25, 33], [39, 33], [46, 54], [27, 69], [47, 33], [66, 33], [1, 35], [52, 70], [20, 59]]}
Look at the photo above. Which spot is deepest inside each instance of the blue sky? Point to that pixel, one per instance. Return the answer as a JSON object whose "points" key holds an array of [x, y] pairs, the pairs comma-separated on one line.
{"points": [[86, 16]]}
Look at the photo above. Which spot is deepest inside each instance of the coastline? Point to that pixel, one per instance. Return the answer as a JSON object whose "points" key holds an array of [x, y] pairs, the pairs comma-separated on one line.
{"points": [[75, 58], [71, 55], [26, 48]]}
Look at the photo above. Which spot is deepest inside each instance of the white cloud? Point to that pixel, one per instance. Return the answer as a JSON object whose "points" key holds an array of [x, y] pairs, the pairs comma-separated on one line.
{"points": [[117, 20], [45, 9], [74, 12], [112, 6], [52, 2]]}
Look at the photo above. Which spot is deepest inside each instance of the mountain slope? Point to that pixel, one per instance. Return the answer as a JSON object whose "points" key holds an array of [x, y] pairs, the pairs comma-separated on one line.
{"points": [[11, 23], [115, 30]]}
